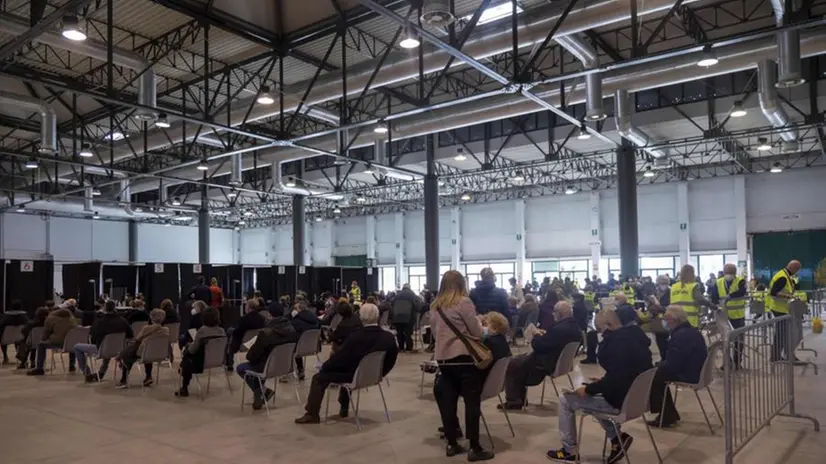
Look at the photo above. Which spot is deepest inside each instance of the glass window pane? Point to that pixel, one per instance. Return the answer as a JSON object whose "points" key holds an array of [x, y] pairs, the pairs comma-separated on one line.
{"points": [[474, 268], [577, 265], [657, 262], [502, 267], [710, 264], [388, 278], [416, 271], [545, 266]]}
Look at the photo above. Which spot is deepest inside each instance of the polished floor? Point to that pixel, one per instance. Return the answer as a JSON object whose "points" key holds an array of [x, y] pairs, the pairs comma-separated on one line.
{"points": [[58, 419]]}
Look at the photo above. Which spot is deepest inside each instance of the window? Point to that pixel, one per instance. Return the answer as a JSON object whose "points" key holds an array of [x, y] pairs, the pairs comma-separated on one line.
{"points": [[576, 270], [502, 271], [708, 265], [387, 278], [657, 266], [417, 276]]}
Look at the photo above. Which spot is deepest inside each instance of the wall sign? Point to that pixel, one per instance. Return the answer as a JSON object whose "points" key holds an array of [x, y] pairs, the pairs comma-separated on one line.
{"points": [[302, 270], [282, 270], [158, 268], [197, 268], [26, 266]]}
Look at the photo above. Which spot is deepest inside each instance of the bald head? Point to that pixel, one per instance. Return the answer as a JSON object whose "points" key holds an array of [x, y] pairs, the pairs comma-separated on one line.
{"points": [[562, 310], [793, 267], [620, 298], [730, 269]]}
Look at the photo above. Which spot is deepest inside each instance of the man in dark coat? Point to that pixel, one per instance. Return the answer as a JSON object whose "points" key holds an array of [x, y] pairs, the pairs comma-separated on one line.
{"points": [[251, 320], [487, 297], [200, 291], [342, 364], [403, 316], [532, 368], [278, 332]]}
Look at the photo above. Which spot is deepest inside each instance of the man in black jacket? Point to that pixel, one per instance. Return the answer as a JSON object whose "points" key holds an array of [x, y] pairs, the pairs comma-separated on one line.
{"points": [[342, 364], [251, 320], [15, 316], [532, 368], [624, 354], [107, 323], [684, 362], [200, 291], [487, 297], [403, 316], [278, 332]]}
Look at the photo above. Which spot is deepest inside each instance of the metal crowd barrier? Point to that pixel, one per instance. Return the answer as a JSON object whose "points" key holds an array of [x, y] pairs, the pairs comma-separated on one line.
{"points": [[759, 380]]}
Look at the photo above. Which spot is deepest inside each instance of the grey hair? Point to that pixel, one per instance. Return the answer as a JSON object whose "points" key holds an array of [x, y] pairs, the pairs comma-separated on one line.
{"points": [[677, 313], [621, 297], [157, 316], [562, 309], [369, 314], [607, 319]]}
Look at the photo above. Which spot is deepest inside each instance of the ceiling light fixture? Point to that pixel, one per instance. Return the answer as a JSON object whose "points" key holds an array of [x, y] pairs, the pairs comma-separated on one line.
{"points": [[369, 169], [460, 154], [72, 30], [381, 128], [21, 208], [264, 97], [163, 121], [31, 163], [241, 222], [495, 13], [583, 133], [570, 190], [232, 193], [465, 197], [290, 182], [318, 219], [96, 215], [763, 144], [86, 151], [776, 168], [237, 228], [114, 136], [709, 57], [410, 40], [518, 177], [96, 192], [167, 224], [648, 172], [176, 201], [360, 199], [203, 166], [738, 111], [248, 213], [336, 210]]}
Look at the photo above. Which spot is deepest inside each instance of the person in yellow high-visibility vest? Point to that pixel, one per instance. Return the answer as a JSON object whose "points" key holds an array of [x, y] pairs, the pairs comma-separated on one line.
{"points": [[781, 290], [730, 293], [688, 294]]}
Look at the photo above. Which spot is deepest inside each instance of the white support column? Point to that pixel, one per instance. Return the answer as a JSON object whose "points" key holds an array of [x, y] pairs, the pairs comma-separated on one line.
{"points": [[273, 240], [596, 236], [400, 269], [519, 219], [455, 237], [371, 244], [740, 225], [329, 237], [684, 232], [308, 243]]}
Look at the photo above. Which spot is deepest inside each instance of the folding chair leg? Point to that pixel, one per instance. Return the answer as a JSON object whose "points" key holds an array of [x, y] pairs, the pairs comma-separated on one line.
{"points": [[243, 392], [702, 408], [263, 392], [622, 445], [421, 385], [714, 403], [229, 383], [571, 381], [579, 439], [200, 390], [507, 418], [298, 395], [386, 411], [542, 398], [355, 409], [490, 437], [654, 443], [209, 379], [327, 407], [662, 408]]}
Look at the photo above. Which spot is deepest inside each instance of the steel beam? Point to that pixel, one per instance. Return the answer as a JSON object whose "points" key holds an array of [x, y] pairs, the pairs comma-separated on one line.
{"points": [[17, 43]]}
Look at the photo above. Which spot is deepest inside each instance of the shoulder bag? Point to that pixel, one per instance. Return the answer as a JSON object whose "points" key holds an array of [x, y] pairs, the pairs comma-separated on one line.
{"points": [[481, 354]]}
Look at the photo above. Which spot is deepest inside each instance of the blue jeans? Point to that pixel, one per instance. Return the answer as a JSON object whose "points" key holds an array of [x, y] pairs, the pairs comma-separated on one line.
{"points": [[571, 402], [251, 381], [82, 350]]}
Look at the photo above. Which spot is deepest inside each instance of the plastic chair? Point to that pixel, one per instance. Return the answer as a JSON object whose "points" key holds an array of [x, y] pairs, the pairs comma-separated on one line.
{"points": [[706, 377], [564, 366], [308, 344], [153, 350], [368, 374], [493, 388], [214, 358], [174, 333], [75, 336], [110, 348], [137, 326], [633, 407], [279, 364], [11, 335], [427, 367]]}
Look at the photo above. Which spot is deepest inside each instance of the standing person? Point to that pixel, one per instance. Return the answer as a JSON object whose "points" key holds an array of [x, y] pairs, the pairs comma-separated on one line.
{"points": [[517, 291], [355, 292], [14, 317], [487, 297], [781, 290], [657, 303], [730, 293], [216, 294], [403, 316], [688, 294], [200, 292], [459, 377], [546, 308]]}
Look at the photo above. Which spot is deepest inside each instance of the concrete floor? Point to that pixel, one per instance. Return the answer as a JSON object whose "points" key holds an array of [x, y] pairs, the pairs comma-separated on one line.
{"points": [[57, 419]]}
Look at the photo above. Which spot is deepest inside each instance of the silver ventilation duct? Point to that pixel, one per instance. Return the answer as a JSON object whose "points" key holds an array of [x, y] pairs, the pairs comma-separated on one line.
{"points": [[236, 177], [623, 109], [788, 50], [126, 197], [48, 119], [162, 193], [770, 103], [88, 202], [147, 92], [587, 55]]}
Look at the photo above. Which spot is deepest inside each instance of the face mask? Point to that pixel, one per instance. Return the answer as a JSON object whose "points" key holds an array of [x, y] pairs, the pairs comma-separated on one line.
{"points": [[194, 311], [729, 277], [663, 287], [665, 325], [484, 331], [294, 313]]}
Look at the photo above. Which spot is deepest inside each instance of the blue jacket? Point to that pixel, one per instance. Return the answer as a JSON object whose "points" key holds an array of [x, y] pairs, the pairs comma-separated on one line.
{"points": [[486, 297], [686, 355], [623, 354]]}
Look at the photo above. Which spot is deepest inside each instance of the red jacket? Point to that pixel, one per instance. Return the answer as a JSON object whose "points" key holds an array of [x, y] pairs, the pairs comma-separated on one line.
{"points": [[217, 296]]}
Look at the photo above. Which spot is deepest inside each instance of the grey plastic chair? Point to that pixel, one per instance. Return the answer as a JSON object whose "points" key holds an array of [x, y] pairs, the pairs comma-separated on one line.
{"points": [[174, 333], [153, 350], [430, 364], [11, 335], [368, 374], [706, 377], [110, 348], [279, 364], [248, 335], [75, 336], [137, 326], [214, 358], [493, 388], [564, 366], [633, 407], [308, 345]]}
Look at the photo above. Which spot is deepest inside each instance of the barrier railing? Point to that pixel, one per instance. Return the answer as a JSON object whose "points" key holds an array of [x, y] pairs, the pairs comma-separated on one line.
{"points": [[759, 380]]}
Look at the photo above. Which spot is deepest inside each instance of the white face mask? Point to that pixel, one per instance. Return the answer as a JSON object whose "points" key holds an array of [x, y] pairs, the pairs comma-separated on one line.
{"points": [[729, 277], [294, 313], [484, 331], [194, 311]]}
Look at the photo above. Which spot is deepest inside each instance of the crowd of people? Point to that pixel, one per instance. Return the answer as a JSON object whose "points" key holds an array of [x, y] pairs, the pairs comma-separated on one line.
{"points": [[468, 332]]}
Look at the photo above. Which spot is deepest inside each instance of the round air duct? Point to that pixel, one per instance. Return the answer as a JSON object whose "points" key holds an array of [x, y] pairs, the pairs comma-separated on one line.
{"points": [[437, 13]]}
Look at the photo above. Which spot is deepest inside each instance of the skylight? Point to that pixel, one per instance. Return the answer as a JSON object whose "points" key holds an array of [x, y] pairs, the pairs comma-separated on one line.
{"points": [[494, 13]]}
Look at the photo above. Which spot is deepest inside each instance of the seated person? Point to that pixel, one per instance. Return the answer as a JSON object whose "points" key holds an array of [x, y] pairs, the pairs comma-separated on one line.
{"points": [[131, 353], [278, 332], [303, 319], [138, 313], [108, 323], [624, 354], [251, 320], [342, 365], [23, 348], [683, 362], [197, 307], [193, 353], [528, 312], [349, 323], [55, 328], [531, 369], [627, 314], [15, 316], [171, 314]]}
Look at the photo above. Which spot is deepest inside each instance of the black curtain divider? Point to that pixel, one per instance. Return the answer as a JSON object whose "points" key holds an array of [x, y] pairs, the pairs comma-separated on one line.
{"points": [[234, 289], [285, 280], [189, 278], [248, 281], [265, 282], [3, 286], [371, 280], [142, 279], [120, 276], [31, 282], [162, 282], [359, 274], [303, 281], [325, 279], [81, 281]]}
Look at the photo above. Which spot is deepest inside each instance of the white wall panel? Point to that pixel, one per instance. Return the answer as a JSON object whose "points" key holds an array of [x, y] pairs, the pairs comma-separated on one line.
{"points": [[283, 244], [24, 236], [323, 239], [791, 200], [75, 239], [220, 246], [488, 231], [385, 239], [711, 214], [558, 226], [609, 221], [350, 237], [657, 218], [414, 237], [254, 246], [174, 244], [110, 241]]}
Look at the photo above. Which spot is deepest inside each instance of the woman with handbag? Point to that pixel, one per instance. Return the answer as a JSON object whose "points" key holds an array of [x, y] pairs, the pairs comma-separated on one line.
{"points": [[463, 361]]}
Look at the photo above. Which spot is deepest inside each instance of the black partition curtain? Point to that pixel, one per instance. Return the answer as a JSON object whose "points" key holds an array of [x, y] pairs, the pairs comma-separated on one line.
{"points": [[189, 277], [325, 279], [265, 283], [3, 285], [119, 280], [359, 274], [161, 282], [234, 290], [303, 279], [248, 281], [81, 281], [285, 280], [371, 280], [31, 282]]}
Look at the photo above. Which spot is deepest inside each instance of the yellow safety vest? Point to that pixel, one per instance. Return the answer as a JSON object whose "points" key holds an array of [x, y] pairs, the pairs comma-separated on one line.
{"points": [[683, 295], [758, 295], [629, 293], [736, 309], [779, 305], [801, 295], [589, 296]]}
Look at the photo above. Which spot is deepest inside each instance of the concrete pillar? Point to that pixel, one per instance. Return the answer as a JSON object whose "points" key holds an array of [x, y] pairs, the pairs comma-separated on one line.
{"points": [[740, 225], [596, 236], [431, 215], [299, 227], [627, 205], [401, 278], [455, 237], [308, 243], [521, 251], [372, 245], [684, 234], [203, 227], [133, 241]]}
